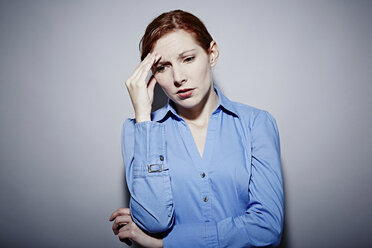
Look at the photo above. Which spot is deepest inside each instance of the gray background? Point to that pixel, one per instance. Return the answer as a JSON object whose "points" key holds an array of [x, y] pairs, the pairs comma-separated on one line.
{"points": [[63, 65]]}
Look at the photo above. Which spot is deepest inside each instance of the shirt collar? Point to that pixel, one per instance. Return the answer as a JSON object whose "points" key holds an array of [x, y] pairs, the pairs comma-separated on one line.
{"points": [[223, 103]]}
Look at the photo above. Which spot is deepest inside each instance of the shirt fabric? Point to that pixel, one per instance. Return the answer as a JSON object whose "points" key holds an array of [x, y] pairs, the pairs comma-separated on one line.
{"points": [[232, 196]]}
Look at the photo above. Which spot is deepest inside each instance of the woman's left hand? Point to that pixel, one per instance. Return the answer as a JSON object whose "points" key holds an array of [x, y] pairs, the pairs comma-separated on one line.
{"points": [[125, 228]]}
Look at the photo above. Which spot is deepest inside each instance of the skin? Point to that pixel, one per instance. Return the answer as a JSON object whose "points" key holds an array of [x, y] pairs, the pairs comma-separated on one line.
{"points": [[177, 62], [126, 230], [177, 70]]}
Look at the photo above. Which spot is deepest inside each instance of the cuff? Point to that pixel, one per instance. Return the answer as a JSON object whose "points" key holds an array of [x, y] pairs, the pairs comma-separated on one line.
{"points": [[149, 148]]}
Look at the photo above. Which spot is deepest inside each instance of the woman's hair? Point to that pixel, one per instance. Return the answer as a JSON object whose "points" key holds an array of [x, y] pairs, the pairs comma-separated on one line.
{"points": [[172, 21]]}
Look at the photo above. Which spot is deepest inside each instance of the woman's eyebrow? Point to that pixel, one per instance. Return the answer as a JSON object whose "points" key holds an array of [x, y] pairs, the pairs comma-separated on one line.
{"points": [[179, 56]]}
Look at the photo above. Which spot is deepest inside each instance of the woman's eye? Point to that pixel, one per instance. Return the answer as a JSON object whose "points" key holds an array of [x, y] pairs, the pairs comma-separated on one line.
{"points": [[160, 69], [189, 59]]}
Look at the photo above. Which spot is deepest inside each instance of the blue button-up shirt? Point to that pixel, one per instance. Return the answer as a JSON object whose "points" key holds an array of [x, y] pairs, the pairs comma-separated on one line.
{"points": [[232, 196]]}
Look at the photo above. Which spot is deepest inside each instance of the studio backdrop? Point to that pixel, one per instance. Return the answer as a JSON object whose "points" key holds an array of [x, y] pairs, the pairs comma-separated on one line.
{"points": [[63, 66]]}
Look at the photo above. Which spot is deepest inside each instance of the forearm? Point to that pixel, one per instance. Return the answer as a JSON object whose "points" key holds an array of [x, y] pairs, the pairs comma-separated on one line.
{"points": [[248, 230], [147, 175], [192, 235]]}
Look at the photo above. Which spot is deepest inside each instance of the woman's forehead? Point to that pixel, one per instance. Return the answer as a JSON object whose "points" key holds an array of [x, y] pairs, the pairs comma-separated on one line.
{"points": [[175, 43]]}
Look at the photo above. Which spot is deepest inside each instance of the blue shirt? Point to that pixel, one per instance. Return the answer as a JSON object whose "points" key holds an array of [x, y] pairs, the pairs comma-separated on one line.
{"points": [[232, 196]]}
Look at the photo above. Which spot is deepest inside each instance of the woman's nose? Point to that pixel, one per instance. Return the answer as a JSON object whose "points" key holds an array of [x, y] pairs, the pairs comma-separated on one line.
{"points": [[178, 76]]}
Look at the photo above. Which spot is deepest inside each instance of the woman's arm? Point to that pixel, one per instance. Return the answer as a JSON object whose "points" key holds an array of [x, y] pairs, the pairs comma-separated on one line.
{"points": [[127, 230], [147, 175], [143, 148], [261, 224]]}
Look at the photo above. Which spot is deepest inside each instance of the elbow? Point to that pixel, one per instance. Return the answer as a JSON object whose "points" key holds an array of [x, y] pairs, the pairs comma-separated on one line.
{"points": [[162, 227], [270, 233], [268, 237], [154, 223], [159, 225], [275, 229], [275, 238], [275, 235]]}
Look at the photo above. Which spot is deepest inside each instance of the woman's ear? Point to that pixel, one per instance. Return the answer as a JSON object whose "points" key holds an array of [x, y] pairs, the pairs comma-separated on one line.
{"points": [[213, 53]]}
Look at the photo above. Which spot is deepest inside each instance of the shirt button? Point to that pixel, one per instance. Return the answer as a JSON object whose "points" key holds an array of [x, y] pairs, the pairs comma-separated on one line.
{"points": [[161, 158], [202, 175], [205, 199]]}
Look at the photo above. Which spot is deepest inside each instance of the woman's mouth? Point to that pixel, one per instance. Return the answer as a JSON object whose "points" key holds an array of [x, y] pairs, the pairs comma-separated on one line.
{"points": [[185, 93]]}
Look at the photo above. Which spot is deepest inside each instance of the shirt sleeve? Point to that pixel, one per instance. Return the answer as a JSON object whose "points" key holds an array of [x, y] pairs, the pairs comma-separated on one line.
{"points": [[147, 175], [262, 222]]}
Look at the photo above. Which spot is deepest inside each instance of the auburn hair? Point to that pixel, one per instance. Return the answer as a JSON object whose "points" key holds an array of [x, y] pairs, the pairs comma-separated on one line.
{"points": [[172, 21]]}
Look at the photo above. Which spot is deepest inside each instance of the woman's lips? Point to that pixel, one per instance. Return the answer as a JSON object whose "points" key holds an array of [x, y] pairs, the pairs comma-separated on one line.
{"points": [[185, 93]]}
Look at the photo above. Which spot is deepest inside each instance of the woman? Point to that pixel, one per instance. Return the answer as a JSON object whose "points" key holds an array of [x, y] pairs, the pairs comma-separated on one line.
{"points": [[202, 171]]}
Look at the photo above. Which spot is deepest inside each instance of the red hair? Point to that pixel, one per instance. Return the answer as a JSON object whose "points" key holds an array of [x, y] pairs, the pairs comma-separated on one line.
{"points": [[172, 21]]}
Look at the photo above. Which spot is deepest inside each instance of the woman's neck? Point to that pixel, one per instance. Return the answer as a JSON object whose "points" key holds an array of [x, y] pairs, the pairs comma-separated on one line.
{"points": [[200, 114]]}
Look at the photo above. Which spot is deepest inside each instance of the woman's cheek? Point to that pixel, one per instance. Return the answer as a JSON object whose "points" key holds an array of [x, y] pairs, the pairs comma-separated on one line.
{"points": [[159, 79], [199, 70]]}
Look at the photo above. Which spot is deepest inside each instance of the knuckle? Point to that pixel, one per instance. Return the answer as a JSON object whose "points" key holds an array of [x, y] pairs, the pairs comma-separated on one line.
{"points": [[121, 236], [120, 220]]}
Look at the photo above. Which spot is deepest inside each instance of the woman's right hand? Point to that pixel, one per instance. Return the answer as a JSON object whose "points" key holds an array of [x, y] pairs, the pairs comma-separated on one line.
{"points": [[126, 229], [140, 91]]}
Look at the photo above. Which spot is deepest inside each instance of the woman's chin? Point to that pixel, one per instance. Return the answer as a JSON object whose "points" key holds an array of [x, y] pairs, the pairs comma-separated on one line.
{"points": [[188, 103]]}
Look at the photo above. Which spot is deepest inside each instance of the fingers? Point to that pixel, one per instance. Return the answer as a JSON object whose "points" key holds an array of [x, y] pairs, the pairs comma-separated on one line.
{"points": [[141, 72], [120, 211], [129, 231], [138, 87], [133, 78], [139, 68], [127, 241], [121, 221], [123, 237], [143, 61]]}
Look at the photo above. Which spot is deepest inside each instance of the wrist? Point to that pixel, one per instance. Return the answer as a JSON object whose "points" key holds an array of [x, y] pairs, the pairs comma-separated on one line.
{"points": [[152, 242], [142, 117], [159, 243]]}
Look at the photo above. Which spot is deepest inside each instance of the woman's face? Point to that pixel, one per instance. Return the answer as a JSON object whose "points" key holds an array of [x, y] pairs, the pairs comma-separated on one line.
{"points": [[184, 69]]}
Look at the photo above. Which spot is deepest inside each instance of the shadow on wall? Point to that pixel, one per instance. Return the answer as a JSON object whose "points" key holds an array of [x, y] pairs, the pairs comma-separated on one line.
{"points": [[285, 236], [160, 99]]}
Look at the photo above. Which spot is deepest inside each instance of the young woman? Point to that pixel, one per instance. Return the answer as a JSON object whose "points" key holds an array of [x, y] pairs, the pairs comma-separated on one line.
{"points": [[202, 171]]}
